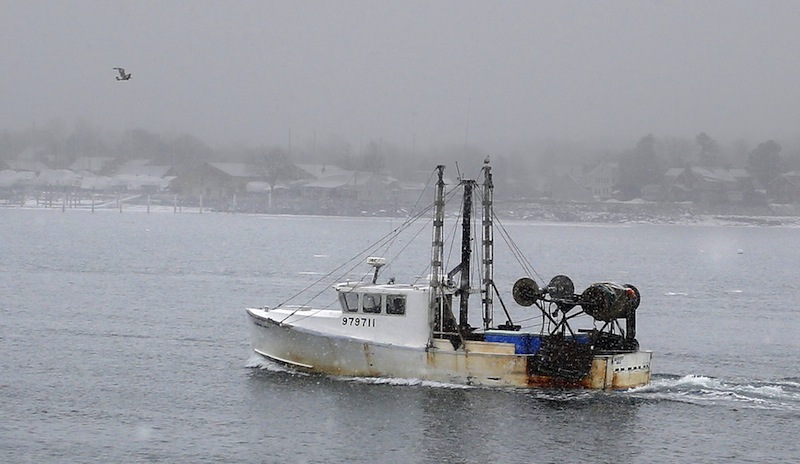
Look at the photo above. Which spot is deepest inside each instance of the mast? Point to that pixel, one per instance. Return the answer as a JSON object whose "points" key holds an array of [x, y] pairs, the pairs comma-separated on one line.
{"points": [[488, 246], [437, 254], [436, 311], [466, 254]]}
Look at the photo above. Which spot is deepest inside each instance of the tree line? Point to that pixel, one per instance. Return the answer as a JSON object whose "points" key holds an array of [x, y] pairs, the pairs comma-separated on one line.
{"points": [[643, 163]]}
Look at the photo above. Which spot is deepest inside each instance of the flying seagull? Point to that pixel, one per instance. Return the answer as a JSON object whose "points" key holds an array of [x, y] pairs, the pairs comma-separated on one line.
{"points": [[122, 76]]}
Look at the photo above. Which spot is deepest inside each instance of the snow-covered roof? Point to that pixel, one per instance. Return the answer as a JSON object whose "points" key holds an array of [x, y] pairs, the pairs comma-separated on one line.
{"points": [[58, 178], [740, 173], [350, 178], [138, 182], [713, 174], [90, 163], [238, 169], [322, 170], [332, 181], [26, 165], [136, 162], [791, 177], [603, 167], [141, 170]]}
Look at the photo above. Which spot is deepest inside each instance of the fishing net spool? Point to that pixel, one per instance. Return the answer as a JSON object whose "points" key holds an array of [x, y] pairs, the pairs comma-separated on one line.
{"points": [[526, 291], [603, 301], [606, 301]]}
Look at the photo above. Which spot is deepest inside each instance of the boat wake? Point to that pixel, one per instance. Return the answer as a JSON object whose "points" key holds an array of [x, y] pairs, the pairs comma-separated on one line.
{"points": [[404, 382], [264, 364], [780, 395]]}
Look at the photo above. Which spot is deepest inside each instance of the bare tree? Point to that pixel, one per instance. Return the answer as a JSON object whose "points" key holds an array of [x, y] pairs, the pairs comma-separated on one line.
{"points": [[275, 166]]}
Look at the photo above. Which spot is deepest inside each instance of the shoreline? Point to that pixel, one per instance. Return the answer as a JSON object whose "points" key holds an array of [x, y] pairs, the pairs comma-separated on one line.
{"points": [[597, 213]]}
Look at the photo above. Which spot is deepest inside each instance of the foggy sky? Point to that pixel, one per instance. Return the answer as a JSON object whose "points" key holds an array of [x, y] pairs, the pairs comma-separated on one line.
{"points": [[494, 74]]}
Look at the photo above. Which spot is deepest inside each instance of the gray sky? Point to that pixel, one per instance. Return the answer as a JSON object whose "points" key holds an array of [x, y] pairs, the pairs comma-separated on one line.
{"points": [[495, 73]]}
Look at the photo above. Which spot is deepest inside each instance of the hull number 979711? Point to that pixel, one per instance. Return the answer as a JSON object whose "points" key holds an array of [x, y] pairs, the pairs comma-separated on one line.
{"points": [[359, 321]]}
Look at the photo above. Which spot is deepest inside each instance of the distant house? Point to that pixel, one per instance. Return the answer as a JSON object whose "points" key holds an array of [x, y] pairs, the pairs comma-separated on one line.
{"points": [[672, 175], [353, 185], [10, 179], [57, 179], [582, 183], [339, 185], [333, 182], [95, 183], [652, 192], [409, 193], [785, 188], [744, 180], [22, 171], [216, 181], [379, 189], [143, 170], [27, 165], [601, 179], [91, 164], [316, 171], [138, 175], [707, 185], [419, 187]]}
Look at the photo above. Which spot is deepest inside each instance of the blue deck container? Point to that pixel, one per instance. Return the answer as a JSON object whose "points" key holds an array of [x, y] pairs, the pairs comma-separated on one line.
{"points": [[524, 343], [535, 343], [581, 337]]}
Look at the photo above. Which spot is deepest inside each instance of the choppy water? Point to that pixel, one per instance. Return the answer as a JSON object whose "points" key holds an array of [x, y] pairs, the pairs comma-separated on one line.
{"points": [[124, 339]]}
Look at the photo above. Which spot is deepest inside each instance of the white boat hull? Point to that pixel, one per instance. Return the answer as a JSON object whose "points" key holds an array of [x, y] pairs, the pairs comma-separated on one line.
{"points": [[474, 363]]}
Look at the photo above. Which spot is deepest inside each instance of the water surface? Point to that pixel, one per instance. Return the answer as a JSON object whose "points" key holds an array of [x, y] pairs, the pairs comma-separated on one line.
{"points": [[124, 339]]}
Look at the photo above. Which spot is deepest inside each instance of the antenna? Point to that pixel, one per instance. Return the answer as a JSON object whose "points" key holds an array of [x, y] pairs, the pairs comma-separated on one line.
{"points": [[466, 129]]}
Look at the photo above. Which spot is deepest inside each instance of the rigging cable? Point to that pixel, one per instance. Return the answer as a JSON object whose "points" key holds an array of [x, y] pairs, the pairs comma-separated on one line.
{"points": [[381, 242], [377, 245], [414, 208], [512, 246]]}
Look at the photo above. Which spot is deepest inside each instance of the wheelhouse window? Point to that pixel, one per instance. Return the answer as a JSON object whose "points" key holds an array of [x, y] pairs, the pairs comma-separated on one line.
{"points": [[396, 304], [349, 301], [371, 303]]}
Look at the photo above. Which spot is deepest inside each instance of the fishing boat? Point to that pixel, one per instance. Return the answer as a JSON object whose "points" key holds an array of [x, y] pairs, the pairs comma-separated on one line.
{"points": [[376, 327]]}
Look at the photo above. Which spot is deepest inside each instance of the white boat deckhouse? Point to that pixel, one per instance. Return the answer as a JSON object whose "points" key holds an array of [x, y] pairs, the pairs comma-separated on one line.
{"points": [[421, 330]]}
